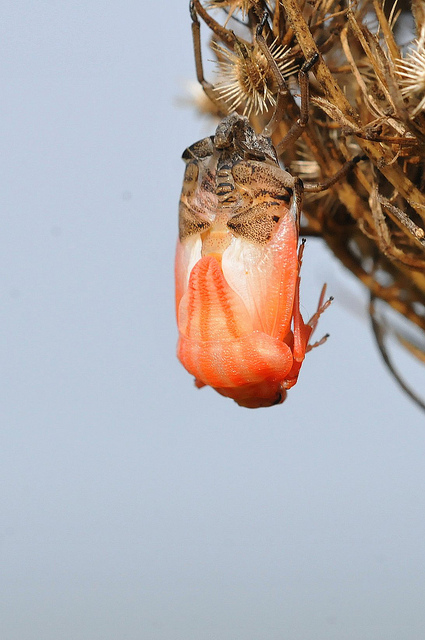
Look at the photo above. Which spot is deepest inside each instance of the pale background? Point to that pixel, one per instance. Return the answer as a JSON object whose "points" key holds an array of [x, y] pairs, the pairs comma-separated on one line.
{"points": [[132, 505]]}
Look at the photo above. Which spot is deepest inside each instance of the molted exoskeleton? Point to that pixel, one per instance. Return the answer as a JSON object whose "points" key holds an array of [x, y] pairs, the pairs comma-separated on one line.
{"points": [[237, 268]]}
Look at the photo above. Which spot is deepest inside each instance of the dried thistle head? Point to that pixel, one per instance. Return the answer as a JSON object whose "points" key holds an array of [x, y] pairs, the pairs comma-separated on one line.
{"points": [[232, 5], [245, 78], [411, 71]]}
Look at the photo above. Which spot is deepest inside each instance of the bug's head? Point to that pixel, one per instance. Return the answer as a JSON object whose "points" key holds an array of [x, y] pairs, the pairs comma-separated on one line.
{"points": [[234, 135]]}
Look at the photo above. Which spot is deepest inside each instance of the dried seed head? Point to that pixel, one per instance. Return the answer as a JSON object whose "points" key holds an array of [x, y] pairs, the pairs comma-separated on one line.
{"points": [[411, 71], [245, 78], [232, 5]]}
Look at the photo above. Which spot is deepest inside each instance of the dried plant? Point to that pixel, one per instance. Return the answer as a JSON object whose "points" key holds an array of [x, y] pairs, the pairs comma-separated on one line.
{"points": [[244, 78], [367, 96]]}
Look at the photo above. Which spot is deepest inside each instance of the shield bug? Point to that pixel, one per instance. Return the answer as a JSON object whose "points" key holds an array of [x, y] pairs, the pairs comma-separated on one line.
{"points": [[238, 263]]}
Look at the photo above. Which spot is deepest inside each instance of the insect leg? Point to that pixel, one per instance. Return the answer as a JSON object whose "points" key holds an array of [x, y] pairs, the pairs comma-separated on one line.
{"points": [[280, 80], [298, 127], [314, 187], [226, 35], [312, 323], [303, 331], [196, 35], [298, 191]]}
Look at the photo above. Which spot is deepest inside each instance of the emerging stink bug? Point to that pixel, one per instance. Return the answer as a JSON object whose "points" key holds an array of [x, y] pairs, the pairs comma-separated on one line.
{"points": [[238, 262]]}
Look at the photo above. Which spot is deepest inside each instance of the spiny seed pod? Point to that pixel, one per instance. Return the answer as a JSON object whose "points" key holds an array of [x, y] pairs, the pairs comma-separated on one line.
{"points": [[245, 79]]}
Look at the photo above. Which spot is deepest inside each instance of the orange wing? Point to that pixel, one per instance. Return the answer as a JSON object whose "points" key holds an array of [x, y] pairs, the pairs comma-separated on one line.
{"points": [[265, 276]]}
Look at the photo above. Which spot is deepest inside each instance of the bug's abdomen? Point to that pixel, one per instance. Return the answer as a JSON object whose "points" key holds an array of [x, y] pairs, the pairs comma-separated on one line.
{"points": [[218, 343]]}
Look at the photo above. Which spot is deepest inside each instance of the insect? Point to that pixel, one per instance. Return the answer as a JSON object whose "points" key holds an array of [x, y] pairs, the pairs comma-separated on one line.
{"points": [[238, 263]]}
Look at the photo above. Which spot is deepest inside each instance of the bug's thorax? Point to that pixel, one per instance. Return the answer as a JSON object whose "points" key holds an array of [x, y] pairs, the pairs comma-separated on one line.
{"points": [[234, 195]]}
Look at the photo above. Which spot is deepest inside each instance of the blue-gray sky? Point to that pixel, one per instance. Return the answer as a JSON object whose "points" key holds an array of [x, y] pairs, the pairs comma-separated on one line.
{"points": [[133, 505]]}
